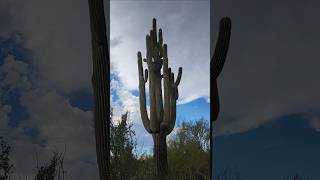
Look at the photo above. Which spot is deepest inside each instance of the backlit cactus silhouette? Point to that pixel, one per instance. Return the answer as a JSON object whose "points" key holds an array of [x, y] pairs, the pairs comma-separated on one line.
{"points": [[216, 64], [100, 83], [162, 108]]}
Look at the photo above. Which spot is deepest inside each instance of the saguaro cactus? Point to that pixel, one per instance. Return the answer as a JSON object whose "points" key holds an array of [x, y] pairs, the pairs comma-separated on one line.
{"points": [[217, 62], [216, 65], [100, 83], [162, 109]]}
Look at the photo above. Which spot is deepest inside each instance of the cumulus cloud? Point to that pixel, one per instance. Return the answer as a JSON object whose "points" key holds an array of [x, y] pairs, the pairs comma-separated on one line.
{"points": [[124, 102], [58, 125], [58, 34], [14, 75], [272, 65], [314, 120], [188, 43]]}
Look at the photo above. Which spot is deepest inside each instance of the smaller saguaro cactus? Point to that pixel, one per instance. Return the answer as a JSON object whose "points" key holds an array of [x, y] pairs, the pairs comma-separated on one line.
{"points": [[162, 108], [216, 65], [217, 62]]}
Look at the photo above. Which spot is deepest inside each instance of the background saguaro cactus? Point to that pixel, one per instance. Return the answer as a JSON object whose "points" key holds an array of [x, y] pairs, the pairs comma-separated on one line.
{"points": [[217, 62], [162, 109], [216, 65], [100, 82]]}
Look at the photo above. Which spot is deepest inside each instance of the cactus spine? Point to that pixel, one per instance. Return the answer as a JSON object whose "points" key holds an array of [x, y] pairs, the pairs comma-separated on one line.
{"points": [[162, 109], [100, 83]]}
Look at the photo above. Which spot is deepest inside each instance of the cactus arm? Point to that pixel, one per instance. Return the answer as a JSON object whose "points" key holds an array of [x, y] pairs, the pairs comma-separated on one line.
{"points": [[158, 66], [142, 95], [154, 30], [172, 121], [160, 43], [173, 104], [160, 109], [217, 63], [145, 75], [222, 46], [154, 126], [159, 103], [167, 92], [178, 77]]}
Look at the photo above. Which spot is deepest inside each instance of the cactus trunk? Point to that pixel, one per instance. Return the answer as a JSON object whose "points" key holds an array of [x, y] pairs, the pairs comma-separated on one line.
{"points": [[160, 155], [162, 101], [100, 83]]}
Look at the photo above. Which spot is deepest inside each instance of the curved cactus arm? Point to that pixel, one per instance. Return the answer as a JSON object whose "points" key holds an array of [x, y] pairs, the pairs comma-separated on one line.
{"points": [[222, 47], [167, 93], [173, 106], [142, 94], [172, 121], [217, 63], [178, 77]]}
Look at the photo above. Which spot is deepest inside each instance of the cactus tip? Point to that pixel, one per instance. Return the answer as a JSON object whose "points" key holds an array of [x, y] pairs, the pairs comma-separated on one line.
{"points": [[225, 21]]}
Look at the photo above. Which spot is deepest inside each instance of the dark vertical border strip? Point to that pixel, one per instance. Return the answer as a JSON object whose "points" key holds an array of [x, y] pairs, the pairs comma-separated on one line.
{"points": [[211, 55]]}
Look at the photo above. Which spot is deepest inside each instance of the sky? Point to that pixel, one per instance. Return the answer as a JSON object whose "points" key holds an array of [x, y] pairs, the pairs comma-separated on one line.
{"points": [[269, 122], [188, 47], [269, 89], [45, 71]]}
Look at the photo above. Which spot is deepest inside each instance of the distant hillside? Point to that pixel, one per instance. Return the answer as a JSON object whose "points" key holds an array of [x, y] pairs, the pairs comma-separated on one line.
{"points": [[273, 151]]}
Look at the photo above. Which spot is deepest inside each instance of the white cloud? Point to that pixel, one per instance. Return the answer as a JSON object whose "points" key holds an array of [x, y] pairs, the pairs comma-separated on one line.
{"points": [[14, 74], [60, 124], [128, 102], [57, 122], [271, 70], [58, 34], [314, 120], [188, 45]]}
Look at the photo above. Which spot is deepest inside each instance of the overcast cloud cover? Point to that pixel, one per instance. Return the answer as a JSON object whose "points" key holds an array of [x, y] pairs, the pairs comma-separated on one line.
{"points": [[272, 69]]}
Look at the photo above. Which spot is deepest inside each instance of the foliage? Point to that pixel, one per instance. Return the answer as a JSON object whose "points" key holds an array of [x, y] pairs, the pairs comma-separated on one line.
{"points": [[52, 170], [122, 144], [188, 151], [6, 168]]}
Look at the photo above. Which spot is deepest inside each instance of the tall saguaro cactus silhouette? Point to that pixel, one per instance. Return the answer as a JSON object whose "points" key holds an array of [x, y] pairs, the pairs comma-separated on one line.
{"points": [[217, 62], [216, 65], [162, 109], [100, 83]]}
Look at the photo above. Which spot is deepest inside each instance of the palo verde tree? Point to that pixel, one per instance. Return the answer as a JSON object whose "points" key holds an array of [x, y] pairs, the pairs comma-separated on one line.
{"points": [[100, 83], [162, 109]]}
